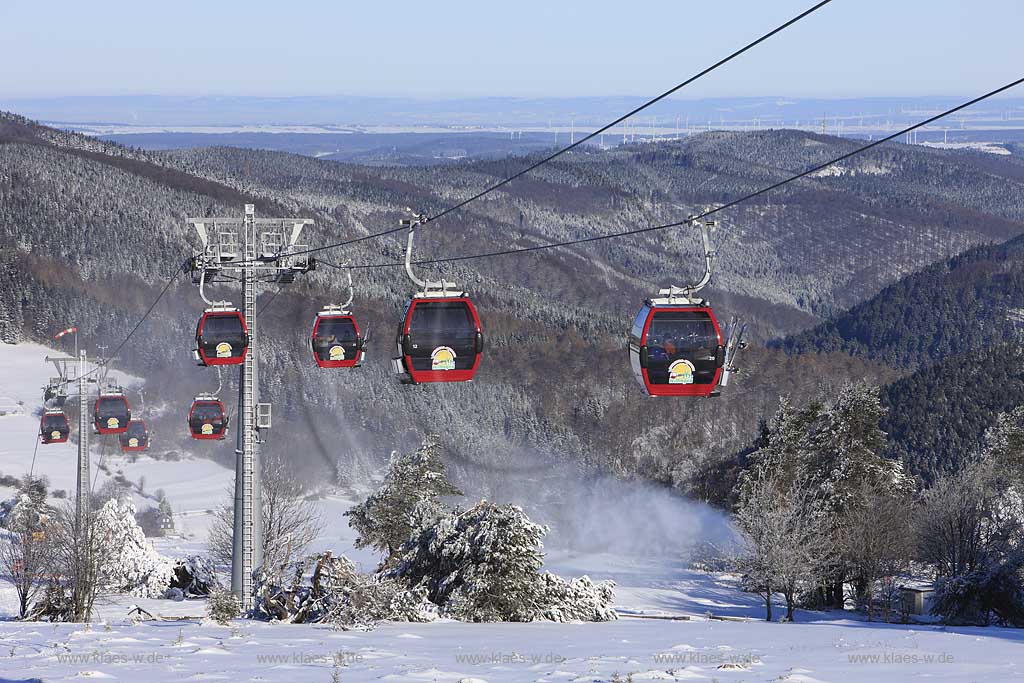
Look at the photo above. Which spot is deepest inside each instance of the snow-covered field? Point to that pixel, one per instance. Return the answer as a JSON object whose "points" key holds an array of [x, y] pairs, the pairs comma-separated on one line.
{"points": [[820, 647]]}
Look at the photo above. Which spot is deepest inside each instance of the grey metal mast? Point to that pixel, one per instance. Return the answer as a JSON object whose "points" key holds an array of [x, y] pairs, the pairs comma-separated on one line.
{"points": [[82, 484], [264, 253], [64, 366]]}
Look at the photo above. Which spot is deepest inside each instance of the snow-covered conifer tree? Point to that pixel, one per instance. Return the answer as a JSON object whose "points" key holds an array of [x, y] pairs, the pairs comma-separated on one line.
{"points": [[410, 494], [132, 565]]}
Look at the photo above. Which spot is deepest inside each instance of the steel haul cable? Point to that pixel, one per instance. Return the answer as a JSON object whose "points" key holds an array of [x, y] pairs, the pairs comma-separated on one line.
{"points": [[590, 136], [727, 205]]}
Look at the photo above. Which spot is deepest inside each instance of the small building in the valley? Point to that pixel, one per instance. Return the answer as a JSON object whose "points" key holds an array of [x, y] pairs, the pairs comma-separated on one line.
{"points": [[916, 598]]}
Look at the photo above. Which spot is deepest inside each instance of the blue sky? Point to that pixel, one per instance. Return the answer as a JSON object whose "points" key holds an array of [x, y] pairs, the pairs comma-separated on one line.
{"points": [[521, 48]]}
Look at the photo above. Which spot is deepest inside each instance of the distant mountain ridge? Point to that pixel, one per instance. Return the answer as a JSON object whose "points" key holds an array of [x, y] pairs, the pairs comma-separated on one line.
{"points": [[967, 303]]}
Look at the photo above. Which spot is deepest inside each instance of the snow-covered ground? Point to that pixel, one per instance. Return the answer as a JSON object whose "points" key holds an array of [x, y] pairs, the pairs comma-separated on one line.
{"points": [[820, 647], [701, 649]]}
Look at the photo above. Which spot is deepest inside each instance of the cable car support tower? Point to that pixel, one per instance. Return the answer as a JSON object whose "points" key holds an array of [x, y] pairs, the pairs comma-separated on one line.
{"points": [[71, 369], [252, 250]]}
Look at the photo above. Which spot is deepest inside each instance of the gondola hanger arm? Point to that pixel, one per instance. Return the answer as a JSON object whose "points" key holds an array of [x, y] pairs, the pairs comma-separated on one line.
{"points": [[411, 223], [202, 293], [428, 287], [351, 289]]}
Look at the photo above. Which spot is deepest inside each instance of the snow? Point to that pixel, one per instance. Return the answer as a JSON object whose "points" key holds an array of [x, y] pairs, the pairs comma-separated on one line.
{"points": [[819, 647], [841, 650], [988, 147], [23, 373]]}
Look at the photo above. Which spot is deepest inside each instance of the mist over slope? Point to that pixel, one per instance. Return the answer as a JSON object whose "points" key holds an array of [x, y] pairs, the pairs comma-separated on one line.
{"points": [[97, 237]]}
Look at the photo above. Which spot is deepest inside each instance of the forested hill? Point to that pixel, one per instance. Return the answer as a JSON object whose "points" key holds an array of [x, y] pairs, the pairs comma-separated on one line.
{"points": [[955, 326], [97, 229], [817, 246], [962, 304], [937, 417]]}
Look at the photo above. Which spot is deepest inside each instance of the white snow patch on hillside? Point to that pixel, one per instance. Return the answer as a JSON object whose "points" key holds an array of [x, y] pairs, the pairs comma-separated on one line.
{"points": [[192, 485], [987, 147]]}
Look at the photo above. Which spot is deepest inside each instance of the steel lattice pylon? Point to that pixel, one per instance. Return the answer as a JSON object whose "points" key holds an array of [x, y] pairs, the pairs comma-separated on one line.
{"points": [[263, 254]]}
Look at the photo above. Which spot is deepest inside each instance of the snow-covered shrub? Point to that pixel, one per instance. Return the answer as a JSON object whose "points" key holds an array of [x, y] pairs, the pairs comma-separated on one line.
{"points": [[483, 564], [985, 596], [194, 576], [480, 564], [578, 599], [55, 604], [131, 564], [327, 589], [222, 606], [409, 497]]}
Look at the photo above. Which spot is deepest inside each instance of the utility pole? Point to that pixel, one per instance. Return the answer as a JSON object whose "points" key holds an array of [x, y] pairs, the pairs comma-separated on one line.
{"points": [[265, 253]]}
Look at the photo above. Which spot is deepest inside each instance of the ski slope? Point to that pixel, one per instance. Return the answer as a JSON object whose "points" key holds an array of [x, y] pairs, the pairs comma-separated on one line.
{"points": [[819, 647]]}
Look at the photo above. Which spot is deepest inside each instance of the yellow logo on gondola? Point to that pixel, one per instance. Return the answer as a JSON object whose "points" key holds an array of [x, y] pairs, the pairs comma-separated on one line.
{"points": [[442, 358], [337, 353], [680, 372], [207, 428], [55, 435], [113, 423], [133, 442], [223, 350]]}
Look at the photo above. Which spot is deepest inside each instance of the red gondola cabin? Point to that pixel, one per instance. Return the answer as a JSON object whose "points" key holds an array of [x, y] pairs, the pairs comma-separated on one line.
{"points": [[206, 419], [336, 340], [136, 439], [222, 338], [676, 350], [440, 340], [112, 414], [54, 427]]}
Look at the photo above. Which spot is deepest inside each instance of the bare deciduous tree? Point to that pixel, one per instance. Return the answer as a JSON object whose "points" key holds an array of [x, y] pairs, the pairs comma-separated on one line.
{"points": [[876, 541], [290, 522], [78, 558]]}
